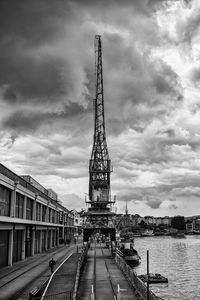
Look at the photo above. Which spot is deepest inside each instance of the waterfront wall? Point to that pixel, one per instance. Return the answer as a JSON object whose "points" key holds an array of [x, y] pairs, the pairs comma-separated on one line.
{"points": [[138, 285], [81, 263]]}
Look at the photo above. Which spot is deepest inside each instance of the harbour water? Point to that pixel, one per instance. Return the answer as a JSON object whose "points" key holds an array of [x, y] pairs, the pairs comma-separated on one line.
{"points": [[178, 259]]}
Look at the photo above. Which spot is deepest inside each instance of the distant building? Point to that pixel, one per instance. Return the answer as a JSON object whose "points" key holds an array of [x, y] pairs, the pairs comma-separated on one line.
{"points": [[149, 220], [196, 225], [166, 221], [78, 220], [189, 227]]}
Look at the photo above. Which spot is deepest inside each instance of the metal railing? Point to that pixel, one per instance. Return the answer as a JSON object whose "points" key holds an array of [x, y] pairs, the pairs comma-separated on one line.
{"points": [[137, 284], [61, 296]]}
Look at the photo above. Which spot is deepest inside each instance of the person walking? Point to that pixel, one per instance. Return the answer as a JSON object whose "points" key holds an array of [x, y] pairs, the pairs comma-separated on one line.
{"points": [[52, 264]]}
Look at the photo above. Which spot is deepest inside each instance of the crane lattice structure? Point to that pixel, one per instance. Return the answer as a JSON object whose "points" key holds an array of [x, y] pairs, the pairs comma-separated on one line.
{"points": [[99, 215]]}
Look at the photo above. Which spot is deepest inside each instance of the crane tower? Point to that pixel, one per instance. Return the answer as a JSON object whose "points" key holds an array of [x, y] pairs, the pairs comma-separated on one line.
{"points": [[99, 214]]}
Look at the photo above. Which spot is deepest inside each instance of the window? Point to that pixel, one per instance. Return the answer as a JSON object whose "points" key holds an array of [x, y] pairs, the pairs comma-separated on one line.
{"points": [[49, 215], [58, 216], [53, 216], [29, 209], [5, 196], [44, 209], [19, 205], [66, 219], [61, 215], [38, 212]]}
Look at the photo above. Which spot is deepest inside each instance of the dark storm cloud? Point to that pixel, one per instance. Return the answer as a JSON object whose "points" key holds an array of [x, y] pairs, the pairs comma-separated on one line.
{"points": [[195, 75], [32, 21], [25, 73], [147, 195], [27, 80], [29, 120], [154, 203], [138, 88], [35, 61], [177, 183]]}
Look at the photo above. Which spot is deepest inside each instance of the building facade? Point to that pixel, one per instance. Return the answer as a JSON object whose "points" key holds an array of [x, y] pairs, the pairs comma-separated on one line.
{"points": [[31, 218]]}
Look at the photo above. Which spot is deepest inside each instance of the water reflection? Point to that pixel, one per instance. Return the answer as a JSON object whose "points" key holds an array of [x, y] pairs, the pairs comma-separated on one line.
{"points": [[177, 259]]}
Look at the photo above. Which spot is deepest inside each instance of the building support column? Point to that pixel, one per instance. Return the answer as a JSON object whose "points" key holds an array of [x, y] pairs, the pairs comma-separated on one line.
{"points": [[47, 213], [41, 212], [63, 232], [24, 208], [40, 241], [34, 207], [23, 244], [33, 242], [10, 248], [46, 240], [51, 237], [57, 235], [63, 228]]}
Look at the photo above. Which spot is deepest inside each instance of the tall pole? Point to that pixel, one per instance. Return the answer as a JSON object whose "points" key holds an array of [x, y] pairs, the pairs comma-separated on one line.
{"points": [[147, 274]]}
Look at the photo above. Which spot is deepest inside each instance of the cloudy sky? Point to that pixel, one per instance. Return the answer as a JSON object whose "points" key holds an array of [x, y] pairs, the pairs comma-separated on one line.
{"points": [[151, 65]]}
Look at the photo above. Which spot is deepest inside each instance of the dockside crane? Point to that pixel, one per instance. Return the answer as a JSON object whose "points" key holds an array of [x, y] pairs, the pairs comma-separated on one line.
{"points": [[99, 215], [100, 164]]}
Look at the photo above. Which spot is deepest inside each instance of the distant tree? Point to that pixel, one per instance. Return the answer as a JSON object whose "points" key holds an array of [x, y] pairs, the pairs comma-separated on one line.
{"points": [[178, 222], [143, 224], [161, 226]]}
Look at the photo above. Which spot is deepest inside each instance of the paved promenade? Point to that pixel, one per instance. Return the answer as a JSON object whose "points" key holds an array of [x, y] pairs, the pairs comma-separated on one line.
{"points": [[63, 280], [30, 273]]}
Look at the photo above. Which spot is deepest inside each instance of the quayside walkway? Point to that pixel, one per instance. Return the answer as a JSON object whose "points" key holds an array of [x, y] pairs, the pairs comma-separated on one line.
{"points": [[102, 279], [94, 274]]}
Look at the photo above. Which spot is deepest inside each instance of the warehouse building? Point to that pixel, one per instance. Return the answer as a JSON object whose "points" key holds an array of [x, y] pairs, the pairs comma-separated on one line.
{"points": [[32, 218]]}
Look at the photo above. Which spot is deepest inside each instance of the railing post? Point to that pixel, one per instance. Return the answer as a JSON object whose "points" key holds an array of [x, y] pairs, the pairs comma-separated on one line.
{"points": [[92, 292], [118, 292], [147, 274]]}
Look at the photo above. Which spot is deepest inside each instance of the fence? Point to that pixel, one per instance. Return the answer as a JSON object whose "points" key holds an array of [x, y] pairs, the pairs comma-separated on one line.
{"points": [[137, 284], [60, 296], [81, 264]]}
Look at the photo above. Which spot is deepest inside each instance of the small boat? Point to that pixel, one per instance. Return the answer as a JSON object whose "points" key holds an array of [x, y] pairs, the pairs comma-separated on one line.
{"points": [[136, 235], [147, 233], [153, 278], [128, 253], [196, 231], [131, 256], [178, 235]]}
